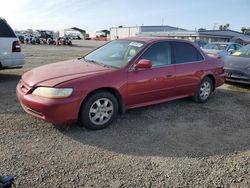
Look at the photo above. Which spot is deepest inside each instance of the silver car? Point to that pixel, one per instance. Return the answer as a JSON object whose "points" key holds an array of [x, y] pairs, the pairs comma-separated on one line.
{"points": [[221, 48], [11, 55]]}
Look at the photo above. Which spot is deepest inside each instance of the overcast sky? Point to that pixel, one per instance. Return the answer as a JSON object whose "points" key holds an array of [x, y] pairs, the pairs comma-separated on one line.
{"points": [[93, 15]]}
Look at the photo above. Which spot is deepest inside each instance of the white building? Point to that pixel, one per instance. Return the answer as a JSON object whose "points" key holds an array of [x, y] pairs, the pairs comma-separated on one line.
{"points": [[123, 32]]}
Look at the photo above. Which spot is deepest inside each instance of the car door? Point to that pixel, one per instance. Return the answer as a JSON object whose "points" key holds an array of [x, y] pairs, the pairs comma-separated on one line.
{"points": [[152, 84], [188, 69]]}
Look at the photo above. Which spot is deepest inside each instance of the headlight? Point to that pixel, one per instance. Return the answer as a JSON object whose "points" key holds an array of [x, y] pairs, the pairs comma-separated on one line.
{"points": [[53, 93]]}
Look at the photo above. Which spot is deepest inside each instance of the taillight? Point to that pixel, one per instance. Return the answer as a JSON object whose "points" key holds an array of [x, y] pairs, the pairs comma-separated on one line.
{"points": [[16, 47]]}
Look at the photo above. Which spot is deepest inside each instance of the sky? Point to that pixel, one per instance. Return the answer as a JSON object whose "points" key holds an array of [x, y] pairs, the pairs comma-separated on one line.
{"points": [[92, 15]]}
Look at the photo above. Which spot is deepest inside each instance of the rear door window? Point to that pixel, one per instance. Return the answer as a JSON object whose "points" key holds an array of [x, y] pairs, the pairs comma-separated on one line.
{"points": [[185, 52], [5, 30]]}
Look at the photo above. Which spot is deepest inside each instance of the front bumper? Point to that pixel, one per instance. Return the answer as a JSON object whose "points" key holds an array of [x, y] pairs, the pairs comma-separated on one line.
{"points": [[234, 75], [52, 110]]}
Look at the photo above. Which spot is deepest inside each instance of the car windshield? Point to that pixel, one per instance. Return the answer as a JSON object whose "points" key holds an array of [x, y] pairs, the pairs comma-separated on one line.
{"points": [[115, 54], [243, 51], [212, 46]]}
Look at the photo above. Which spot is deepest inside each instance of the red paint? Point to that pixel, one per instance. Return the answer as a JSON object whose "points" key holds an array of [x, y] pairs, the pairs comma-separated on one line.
{"points": [[136, 87]]}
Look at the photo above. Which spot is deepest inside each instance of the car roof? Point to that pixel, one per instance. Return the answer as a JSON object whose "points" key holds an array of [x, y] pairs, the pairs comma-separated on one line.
{"points": [[154, 39], [223, 43]]}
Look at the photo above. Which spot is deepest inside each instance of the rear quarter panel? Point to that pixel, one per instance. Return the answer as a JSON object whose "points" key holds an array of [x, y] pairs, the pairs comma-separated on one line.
{"points": [[215, 67]]}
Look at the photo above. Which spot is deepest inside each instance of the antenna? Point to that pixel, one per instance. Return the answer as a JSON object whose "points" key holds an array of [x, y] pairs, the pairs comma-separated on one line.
{"points": [[215, 26]]}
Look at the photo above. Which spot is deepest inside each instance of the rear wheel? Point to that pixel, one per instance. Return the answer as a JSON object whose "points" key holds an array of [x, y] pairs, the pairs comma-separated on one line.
{"points": [[204, 90], [99, 110]]}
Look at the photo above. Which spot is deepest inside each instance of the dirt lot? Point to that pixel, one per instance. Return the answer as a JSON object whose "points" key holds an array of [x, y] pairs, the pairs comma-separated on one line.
{"points": [[176, 144]]}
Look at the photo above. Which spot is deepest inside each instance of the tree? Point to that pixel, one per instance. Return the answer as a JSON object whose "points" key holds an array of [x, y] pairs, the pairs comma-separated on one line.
{"points": [[245, 30], [224, 27], [201, 29]]}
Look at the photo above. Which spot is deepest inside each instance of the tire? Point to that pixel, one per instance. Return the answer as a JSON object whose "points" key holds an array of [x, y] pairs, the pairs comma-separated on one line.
{"points": [[204, 90], [99, 110]]}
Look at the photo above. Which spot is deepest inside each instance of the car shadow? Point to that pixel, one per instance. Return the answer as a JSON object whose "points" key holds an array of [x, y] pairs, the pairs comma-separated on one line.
{"points": [[238, 85], [5, 77], [8, 83], [8, 99], [180, 128]]}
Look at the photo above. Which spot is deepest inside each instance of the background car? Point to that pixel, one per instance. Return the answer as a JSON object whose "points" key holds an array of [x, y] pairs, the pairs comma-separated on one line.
{"points": [[121, 75], [220, 48], [200, 43], [11, 55], [21, 38], [237, 65]]}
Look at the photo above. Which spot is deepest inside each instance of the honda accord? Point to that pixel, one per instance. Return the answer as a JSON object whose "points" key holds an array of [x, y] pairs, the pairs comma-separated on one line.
{"points": [[120, 75]]}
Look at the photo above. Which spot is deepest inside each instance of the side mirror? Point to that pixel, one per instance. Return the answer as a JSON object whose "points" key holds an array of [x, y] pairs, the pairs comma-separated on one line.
{"points": [[143, 64]]}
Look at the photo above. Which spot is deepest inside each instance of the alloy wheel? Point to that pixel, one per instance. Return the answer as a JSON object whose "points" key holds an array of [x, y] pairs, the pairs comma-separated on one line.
{"points": [[205, 90], [101, 111]]}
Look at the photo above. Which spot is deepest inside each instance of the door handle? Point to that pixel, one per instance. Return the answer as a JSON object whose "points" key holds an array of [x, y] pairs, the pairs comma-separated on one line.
{"points": [[169, 75]]}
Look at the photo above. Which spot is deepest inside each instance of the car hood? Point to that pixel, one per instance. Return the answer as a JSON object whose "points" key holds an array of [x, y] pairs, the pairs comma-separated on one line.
{"points": [[211, 51], [56, 73], [236, 62], [221, 53]]}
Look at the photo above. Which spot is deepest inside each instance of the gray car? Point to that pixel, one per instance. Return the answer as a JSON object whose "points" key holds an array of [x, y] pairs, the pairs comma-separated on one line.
{"points": [[237, 65], [221, 48]]}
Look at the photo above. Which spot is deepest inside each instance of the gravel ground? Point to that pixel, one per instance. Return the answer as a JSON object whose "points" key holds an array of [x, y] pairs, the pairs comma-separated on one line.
{"points": [[176, 144]]}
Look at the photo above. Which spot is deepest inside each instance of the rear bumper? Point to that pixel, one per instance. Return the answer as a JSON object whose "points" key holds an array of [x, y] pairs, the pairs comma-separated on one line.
{"points": [[51, 110], [16, 59], [241, 76], [220, 79]]}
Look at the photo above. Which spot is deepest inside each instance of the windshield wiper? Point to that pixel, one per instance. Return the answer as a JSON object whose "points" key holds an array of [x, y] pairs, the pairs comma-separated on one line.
{"points": [[89, 60], [98, 63]]}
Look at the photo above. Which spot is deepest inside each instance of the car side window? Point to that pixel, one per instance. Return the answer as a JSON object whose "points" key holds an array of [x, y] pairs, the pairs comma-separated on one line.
{"points": [[237, 46], [185, 52], [231, 47], [5, 30], [159, 54]]}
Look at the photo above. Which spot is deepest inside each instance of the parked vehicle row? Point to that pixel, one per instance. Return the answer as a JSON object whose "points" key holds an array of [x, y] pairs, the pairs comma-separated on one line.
{"points": [[30, 39], [121, 75], [235, 57]]}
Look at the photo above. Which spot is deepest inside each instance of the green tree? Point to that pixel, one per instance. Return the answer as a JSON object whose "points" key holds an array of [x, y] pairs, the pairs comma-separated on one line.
{"points": [[245, 30], [224, 27]]}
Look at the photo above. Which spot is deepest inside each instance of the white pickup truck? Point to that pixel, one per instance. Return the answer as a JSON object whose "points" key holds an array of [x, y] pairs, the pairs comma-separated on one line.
{"points": [[11, 55]]}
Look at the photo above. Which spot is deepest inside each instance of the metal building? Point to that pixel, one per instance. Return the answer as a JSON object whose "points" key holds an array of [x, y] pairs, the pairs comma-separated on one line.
{"points": [[203, 35]]}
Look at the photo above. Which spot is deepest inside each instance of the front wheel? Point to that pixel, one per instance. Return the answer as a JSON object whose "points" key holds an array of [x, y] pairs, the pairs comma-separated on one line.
{"points": [[204, 90], [99, 110]]}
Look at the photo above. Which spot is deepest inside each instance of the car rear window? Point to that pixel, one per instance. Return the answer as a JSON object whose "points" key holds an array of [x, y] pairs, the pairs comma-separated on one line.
{"points": [[185, 52], [5, 30]]}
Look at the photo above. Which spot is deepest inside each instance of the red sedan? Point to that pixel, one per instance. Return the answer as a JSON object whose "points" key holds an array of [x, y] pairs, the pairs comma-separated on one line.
{"points": [[121, 75]]}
